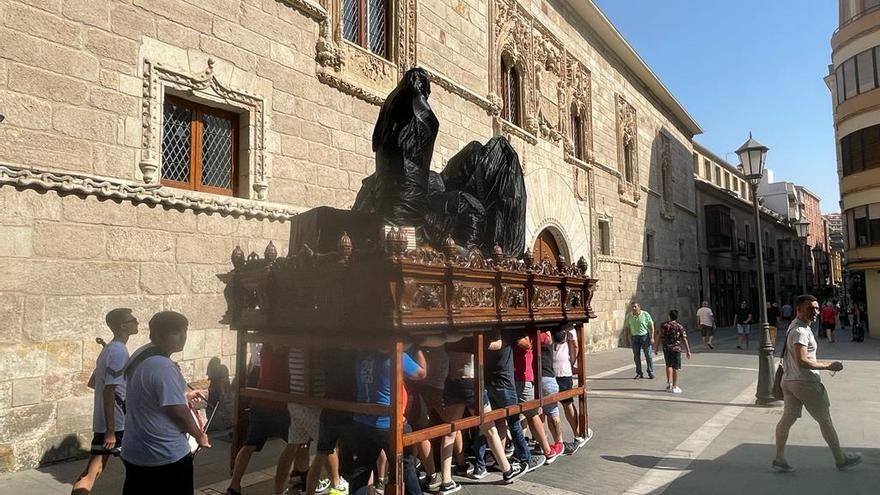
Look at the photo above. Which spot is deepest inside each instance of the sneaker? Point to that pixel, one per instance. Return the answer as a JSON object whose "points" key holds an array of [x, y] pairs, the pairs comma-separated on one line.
{"points": [[581, 441], [478, 474], [850, 460], [782, 467], [432, 483], [449, 487], [676, 390], [322, 487], [711, 346], [232, 491], [650, 376], [555, 452], [466, 468], [340, 489], [515, 471], [739, 347], [508, 449], [638, 376], [569, 448], [534, 463]]}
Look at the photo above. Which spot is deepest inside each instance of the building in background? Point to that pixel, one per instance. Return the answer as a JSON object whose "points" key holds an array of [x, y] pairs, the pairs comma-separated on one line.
{"points": [[855, 98], [143, 142], [726, 241]]}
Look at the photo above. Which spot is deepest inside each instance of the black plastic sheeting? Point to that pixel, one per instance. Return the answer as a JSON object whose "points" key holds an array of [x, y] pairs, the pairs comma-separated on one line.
{"points": [[479, 198]]}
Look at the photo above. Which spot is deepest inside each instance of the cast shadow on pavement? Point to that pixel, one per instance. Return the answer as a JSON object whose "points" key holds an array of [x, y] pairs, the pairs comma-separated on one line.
{"points": [[746, 469]]}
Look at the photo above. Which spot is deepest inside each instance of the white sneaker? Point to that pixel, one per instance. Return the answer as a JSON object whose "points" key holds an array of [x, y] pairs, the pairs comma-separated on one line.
{"points": [[676, 390]]}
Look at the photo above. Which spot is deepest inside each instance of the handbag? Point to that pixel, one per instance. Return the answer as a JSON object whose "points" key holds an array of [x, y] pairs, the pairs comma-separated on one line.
{"points": [[777, 380]]}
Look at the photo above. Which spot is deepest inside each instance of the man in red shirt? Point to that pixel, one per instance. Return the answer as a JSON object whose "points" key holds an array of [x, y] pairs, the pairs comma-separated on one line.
{"points": [[267, 418], [829, 321]]}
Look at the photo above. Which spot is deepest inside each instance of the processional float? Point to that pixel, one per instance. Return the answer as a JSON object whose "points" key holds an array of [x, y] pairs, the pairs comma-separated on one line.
{"points": [[420, 254]]}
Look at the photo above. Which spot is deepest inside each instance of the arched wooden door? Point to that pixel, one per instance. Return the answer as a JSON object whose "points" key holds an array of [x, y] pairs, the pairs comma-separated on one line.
{"points": [[546, 247]]}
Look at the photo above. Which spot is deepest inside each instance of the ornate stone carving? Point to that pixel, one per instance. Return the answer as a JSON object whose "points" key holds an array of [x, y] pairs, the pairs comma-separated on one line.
{"points": [[151, 194], [664, 180], [205, 85], [491, 107], [627, 154], [350, 88]]}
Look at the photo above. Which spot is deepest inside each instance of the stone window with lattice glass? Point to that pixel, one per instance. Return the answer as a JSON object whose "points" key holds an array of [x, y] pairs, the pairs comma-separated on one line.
{"points": [[365, 23], [199, 147]]}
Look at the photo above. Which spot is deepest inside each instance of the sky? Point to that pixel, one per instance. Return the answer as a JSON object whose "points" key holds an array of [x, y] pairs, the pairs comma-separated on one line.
{"points": [[747, 65]]}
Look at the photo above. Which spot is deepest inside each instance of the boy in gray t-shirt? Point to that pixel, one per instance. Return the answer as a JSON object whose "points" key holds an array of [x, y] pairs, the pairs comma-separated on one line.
{"points": [[108, 417]]}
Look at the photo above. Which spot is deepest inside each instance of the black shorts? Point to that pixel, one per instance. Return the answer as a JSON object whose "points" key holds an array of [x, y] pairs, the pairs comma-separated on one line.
{"points": [[332, 426], [169, 479], [828, 325], [673, 359], [264, 424], [565, 383], [458, 391], [97, 447]]}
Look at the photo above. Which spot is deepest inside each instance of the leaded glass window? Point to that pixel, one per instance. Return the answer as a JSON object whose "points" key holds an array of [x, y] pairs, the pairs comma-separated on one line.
{"points": [[199, 147], [365, 23], [510, 91]]}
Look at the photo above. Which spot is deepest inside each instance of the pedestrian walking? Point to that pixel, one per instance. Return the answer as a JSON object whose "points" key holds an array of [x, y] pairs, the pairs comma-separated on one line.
{"points": [[158, 416], [706, 320], [829, 321], [639, 334], [858, 326], [674, 339], [802, 387], [108, 415], [773, 320], [743, 324]]}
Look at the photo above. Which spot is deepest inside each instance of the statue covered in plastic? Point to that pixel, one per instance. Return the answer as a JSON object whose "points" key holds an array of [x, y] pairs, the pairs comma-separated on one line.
{"points": [[480, 197]]}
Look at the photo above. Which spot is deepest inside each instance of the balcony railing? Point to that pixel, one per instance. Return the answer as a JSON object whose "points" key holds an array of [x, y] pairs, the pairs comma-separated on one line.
{"points": [[855, 18]]}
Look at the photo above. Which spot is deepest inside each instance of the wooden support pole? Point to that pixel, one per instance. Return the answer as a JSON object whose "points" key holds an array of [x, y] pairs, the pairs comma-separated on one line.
{"points": [[395, 441], [479, 385], [536, 363], [241, 381], [583, 415]]}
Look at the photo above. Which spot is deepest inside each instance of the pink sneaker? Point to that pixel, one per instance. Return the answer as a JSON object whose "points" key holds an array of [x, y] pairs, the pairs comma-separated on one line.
{"points": [[555, 452]]}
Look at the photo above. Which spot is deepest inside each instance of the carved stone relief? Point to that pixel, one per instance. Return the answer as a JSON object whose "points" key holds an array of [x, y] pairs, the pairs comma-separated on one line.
{"points": [[664, 182], [627, 154], [205, 86]]}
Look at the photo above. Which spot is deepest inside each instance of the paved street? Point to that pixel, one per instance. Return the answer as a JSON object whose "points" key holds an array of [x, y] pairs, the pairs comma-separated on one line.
{"points": [[710, 439]]}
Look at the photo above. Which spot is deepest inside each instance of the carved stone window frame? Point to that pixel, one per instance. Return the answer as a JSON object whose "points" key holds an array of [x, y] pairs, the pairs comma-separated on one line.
{"points": [[205, 88], [355, 70], [627, 143], [511, 40], [604, 219], [579, 102]]}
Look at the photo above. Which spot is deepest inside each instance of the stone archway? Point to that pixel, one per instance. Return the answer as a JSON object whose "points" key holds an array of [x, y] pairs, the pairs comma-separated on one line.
{"points": [[552, 208], [546, 246]]}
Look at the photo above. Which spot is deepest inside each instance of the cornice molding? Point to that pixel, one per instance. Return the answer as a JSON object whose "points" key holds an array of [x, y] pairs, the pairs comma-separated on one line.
{"points": [[151, 194]]}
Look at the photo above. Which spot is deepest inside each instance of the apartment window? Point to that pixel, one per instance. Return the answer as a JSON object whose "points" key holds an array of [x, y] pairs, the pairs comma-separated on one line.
{"points": [[577, 133], [199, 147], [858, 74], [849, 78], [726, 180], [649, 248], [510, 92], [707, 169], [696, 165], [365, 23], [718, 176], [719, 228], [605, 237], [860, 150], [865, 71]]}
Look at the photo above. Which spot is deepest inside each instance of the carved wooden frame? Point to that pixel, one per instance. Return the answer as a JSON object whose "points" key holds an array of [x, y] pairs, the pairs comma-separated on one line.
{"points": [[627, 134], [203, 87]]}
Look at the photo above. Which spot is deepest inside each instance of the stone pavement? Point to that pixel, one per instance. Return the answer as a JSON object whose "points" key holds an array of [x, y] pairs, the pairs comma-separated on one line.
{"points": [[710, 439]]}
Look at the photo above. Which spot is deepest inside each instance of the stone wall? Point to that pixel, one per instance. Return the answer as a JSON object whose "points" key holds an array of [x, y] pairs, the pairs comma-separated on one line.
{"points": [[86, 228]]}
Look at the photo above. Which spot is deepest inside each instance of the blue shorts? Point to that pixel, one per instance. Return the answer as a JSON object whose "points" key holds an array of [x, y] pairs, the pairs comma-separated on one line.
{"points": [[549, 386]]}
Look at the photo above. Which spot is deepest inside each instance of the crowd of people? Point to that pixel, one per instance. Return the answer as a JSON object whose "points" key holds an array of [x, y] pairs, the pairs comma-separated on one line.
{"points": [[145, 398]]}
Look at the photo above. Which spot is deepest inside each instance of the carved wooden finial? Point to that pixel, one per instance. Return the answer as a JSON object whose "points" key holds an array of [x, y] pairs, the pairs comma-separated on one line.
{"points": [[560, 263], [395, 241], [528, 259], [237, 257], [449, 247], [344, 247], [271, 253], [582, 265], [497, 254]]}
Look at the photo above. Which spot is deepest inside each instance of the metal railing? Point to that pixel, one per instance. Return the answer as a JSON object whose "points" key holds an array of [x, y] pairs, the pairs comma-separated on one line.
{"points": [[854, 18]]}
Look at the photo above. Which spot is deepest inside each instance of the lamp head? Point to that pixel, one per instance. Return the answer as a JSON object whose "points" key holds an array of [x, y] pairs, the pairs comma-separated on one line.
{"points": [[752, 156]]}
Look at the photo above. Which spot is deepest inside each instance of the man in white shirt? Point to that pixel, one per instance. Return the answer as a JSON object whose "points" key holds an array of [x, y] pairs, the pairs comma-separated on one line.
{"points": [[108, 416], [706, 320], [157, 455], [802, 387]]}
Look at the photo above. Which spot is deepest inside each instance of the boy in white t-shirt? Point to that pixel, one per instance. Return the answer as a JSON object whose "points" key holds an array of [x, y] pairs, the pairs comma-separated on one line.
{"points": [[108, 417], [706, 320]]}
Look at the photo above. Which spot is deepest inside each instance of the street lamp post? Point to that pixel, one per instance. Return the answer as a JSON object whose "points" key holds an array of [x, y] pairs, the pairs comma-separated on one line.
{"points": [[752, 155], [802, 229]]}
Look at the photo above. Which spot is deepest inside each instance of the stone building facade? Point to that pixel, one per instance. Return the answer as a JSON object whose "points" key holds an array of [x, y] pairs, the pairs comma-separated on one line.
{"points": [[727, 241], [144, 139]]}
